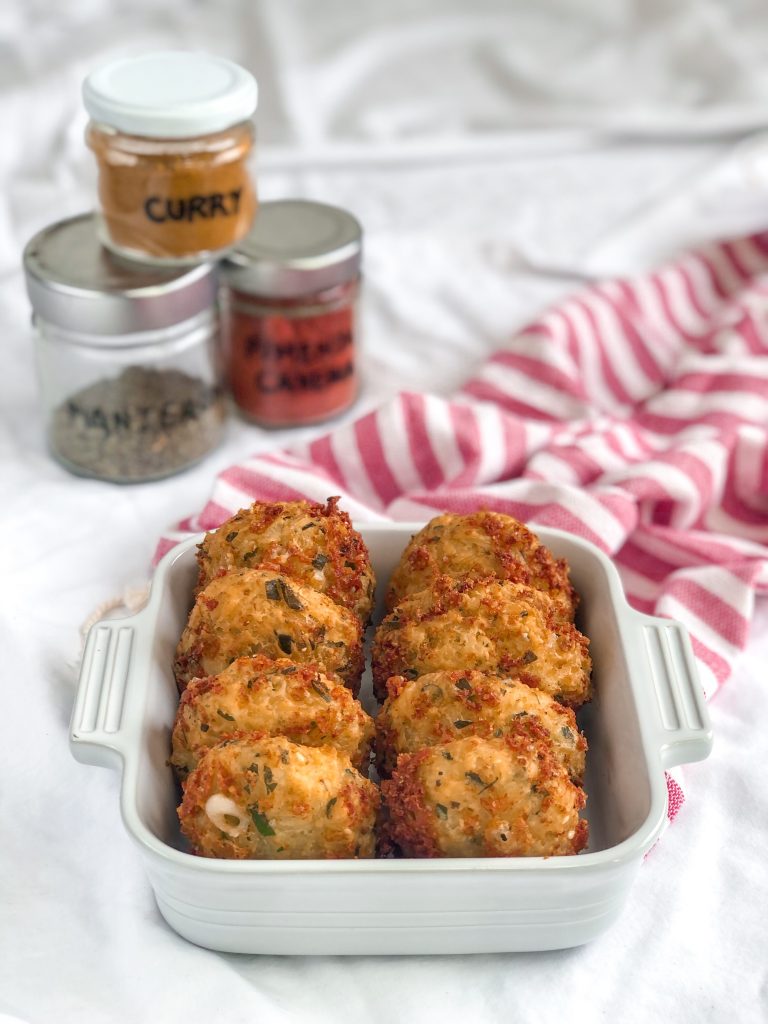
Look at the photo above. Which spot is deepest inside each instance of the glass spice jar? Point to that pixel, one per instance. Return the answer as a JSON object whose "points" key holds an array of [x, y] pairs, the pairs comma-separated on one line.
{"points": [[128, 357], [172, 135], [290, 298]]}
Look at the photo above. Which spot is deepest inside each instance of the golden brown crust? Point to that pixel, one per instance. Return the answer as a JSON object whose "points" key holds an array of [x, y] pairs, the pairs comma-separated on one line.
{"points": [[477, 546], [476, 797], [259, 611], [314, 544], [436, 708], [257, 797], [276, 698], [489, 625]]}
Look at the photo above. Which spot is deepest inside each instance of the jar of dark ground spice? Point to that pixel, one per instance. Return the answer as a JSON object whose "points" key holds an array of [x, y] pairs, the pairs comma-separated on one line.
{"points": [[291, 289], [127, 356]]}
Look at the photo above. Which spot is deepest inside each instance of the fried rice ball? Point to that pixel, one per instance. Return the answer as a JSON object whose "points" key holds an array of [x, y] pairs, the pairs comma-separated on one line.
{"points": [[258, 797], [313, 543], [443, 706], [478, 545], [259, 611], [476, 797], [274, 697], [490, 625]]}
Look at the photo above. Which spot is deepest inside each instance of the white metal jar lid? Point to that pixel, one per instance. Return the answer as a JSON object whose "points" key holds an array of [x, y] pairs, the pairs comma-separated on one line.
{"points": [[77, 284], [295, 247], [170, 94]]}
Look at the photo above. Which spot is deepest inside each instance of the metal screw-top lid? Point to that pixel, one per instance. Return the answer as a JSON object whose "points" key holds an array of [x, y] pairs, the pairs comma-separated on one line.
{"points": [[77, 284], [296, 247]]}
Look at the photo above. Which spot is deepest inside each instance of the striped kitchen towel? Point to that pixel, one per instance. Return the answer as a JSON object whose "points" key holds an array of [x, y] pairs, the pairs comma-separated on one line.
{"points": [[634, 414]]}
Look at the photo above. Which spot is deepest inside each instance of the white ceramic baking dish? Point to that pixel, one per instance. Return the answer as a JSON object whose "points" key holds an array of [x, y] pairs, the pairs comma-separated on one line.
{"points": [[648, 714]]}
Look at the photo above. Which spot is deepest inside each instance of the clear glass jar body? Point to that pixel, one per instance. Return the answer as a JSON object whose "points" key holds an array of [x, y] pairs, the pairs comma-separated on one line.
{"points": [[291, 361], [133, 407], [174, 201]]}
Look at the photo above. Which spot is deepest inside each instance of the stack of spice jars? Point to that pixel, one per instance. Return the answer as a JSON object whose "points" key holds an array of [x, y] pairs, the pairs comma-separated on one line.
{"points": [[133, 357]]}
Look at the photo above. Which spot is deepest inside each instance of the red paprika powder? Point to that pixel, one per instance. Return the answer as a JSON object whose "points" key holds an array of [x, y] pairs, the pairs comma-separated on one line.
{"points": [[291, 291]]}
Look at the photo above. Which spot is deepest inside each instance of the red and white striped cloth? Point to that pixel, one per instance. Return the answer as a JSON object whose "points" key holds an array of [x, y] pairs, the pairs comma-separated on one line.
{"points": [[635, 414]]}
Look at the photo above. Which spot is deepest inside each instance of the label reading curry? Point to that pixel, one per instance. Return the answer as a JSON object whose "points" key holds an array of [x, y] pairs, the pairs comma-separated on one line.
{"points": [[160, 209]]}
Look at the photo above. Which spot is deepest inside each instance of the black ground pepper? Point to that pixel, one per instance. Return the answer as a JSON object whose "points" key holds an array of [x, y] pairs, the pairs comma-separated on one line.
{"points": [[142, 425]]}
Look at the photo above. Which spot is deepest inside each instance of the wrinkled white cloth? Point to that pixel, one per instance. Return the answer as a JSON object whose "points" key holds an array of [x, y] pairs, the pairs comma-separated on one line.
{"points": [[496, 154]]}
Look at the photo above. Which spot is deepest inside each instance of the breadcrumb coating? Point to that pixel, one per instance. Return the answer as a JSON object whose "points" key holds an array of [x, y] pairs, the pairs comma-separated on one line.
{"points": [[257, 797], [477, 797], [312, 543], [259, 611], [477, 546], [278, 698], [489, 625], [436, 708]]}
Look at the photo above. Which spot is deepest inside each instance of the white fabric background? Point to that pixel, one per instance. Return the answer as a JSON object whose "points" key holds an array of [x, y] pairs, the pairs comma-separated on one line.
{"points": [[496, 154]]}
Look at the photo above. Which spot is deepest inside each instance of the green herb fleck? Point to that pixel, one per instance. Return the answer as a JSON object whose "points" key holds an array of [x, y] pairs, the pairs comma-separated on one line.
{"points": [[321, 690], [269, 784], [448, 756], [441, 811], [231, 536], [272, 588], [285, 643], [232, 819], [463, 684], [319, 560], [567, 733], [462, 723], [329, 806], [308, 526], [288, 671], [253, 767], [520, 714], [479, 781], [411, 673], [350, 565], [284, 756], [223, 714], [204, 727], [260, 821], [528, 657], [290, 597]]}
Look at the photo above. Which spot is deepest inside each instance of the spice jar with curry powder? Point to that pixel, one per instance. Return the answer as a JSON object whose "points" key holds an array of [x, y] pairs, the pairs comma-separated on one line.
{"points": [[290, 301], [172, 134]]}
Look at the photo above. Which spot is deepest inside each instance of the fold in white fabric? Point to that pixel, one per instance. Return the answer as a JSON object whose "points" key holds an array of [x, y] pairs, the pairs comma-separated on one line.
{"points": [[495, 153]]}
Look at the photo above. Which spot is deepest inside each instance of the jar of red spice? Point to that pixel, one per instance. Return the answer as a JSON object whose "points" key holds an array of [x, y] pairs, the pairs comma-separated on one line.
{"points": [[290, 296]]}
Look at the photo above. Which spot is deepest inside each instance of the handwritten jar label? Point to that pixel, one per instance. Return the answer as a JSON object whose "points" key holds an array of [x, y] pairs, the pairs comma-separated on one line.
{"points": [[287, 370]]}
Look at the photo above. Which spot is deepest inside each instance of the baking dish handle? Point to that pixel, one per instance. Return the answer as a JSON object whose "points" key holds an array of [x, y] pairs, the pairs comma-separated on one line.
{"points": [[683, 726], [95, 732]]}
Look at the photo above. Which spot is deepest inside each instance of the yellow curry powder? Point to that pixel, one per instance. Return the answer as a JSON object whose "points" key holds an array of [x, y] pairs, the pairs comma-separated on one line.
{"points": [[174, 199]]}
